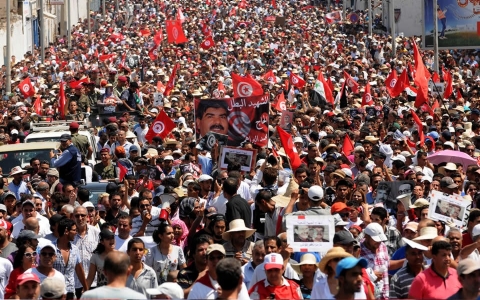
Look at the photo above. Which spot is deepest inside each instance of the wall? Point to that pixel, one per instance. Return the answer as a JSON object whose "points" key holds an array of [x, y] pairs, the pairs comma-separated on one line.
{"points": [[17, 38]]}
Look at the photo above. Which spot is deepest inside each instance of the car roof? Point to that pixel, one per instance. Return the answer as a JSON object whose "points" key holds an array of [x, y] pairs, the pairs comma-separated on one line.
{"points": [[55, 133], [29, 146]]}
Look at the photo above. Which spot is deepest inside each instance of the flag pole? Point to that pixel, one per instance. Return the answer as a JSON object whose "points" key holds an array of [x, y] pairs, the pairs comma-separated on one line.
{"points": [[435, 35]]}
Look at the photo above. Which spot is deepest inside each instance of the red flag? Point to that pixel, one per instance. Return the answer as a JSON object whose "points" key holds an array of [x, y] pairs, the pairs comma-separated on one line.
{"points": [[96, 53], [116, 37], [221, 87], [270, 77], [180, 16], [435, 77], [280, 105], [175, 32], [400, 85], [161, 127], [38, 105], [74, 84], [104, 57], [427, 108], [206, 30], [26, 88], [62, 101], [449, 87], [122, 171], [410, 69], [367, 96], [245, 87], [323, 88], [289, 147], [233, 12], [158, 38], [351, 83], [459, 94], [171, 81], [330, 83], [391, 81], [208, 43], [153, 53], [347, 146], [419, 125], [435, 105], [421, 80], [274, 4], [297, 80], [242, 4], [160, 87], [145, 32]]}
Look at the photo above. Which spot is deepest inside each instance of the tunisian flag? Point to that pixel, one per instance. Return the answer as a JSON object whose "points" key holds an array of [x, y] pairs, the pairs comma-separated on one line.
{"points": [[158, 38], [171, 81], [391, 81], [26, 88], [161, 127], [351, 83], [145, 32], [289, 148], [367, 96], [270, 77], [297, 80], [280, 105], [62, 101], [400, 85], [175, 32], [245, 86], [207, 43], [420, 78]]}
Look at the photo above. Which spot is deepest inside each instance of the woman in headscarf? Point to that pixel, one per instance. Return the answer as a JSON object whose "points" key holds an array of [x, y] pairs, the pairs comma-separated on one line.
{"points": [[180, 233]]}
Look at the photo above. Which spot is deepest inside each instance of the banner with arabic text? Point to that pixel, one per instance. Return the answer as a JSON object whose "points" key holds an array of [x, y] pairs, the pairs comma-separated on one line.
{"points": [[242, 119]]}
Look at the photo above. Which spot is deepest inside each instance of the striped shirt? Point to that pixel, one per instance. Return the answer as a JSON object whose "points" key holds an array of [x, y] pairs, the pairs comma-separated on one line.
{"points": [[154, 223], [86, 245], [68, 268], [400, 283], [380, 259]]}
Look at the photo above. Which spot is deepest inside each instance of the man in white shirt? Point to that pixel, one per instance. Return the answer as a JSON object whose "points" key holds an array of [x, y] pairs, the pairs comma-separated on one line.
{"points": [[5, 269], [28, 211], [258, 254], [140, 131], [206, 286], [124, 227]]}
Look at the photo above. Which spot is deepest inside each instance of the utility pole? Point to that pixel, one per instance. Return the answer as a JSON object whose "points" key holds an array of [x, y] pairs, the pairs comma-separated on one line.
{"points": [[8, 77], [69, 25], [89, 19], [33, 28], [435, 36], [42, 33], [392, 26], [370, 14], [104, 10]]}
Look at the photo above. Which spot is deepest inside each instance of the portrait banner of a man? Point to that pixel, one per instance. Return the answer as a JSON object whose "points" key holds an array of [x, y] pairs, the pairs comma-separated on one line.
{"points": [[448, 208], [310, 233], [244, 120]]}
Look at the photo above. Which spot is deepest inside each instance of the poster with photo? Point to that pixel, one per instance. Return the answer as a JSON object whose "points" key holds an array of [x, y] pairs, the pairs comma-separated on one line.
{"points": [[311, 233], [388, 191], [446, 208], [245, 157]]}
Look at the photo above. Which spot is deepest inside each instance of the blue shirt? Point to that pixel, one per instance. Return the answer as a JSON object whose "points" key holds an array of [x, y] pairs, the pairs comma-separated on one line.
{"points": [[64, 158], [401, 253], [206, 164], [68, 269], [18, 189], [369, 197]]}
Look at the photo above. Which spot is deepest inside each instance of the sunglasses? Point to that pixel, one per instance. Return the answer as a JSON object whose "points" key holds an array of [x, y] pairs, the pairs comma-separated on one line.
{"points": [[49, 254], [30, 254]]}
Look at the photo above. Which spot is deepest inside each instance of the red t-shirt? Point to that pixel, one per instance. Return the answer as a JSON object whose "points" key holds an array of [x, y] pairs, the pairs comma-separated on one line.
{"points": [[466, 239]]}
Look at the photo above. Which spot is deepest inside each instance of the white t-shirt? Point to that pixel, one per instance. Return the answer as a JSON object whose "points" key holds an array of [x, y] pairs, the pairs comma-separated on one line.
{"points": [[57, 275], [6, 268], [43, 223], [201, 291], [162, 264], [121, 244], [321, 290], [141, 134], [220, 203]]}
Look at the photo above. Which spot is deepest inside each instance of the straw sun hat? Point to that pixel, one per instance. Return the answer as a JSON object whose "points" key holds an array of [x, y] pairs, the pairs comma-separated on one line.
{"points": [[307, 259], [335, 252], [235, 226]]}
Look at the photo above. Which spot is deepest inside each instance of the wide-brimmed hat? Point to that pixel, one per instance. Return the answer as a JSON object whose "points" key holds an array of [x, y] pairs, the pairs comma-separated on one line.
{"points": [[330, 146], [335, 252], [371, 139], [236, 226], [283, 200], [17, 170], [306, 259], [427, 233]]}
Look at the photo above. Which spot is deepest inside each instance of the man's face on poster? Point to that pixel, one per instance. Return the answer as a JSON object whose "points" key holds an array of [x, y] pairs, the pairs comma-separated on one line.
{"points": [[302, 232], [404, 189], [382, 194], [443, 205], [455, 212], [214, 119]]}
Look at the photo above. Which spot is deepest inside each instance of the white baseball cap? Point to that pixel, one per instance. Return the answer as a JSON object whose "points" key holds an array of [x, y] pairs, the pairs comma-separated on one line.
{"points": [[375, 231], [315, 193], [273, 261]]}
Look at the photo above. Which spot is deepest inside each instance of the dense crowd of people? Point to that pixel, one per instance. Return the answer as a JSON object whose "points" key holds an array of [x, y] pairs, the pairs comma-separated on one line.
{"points": [[173, 224]]}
